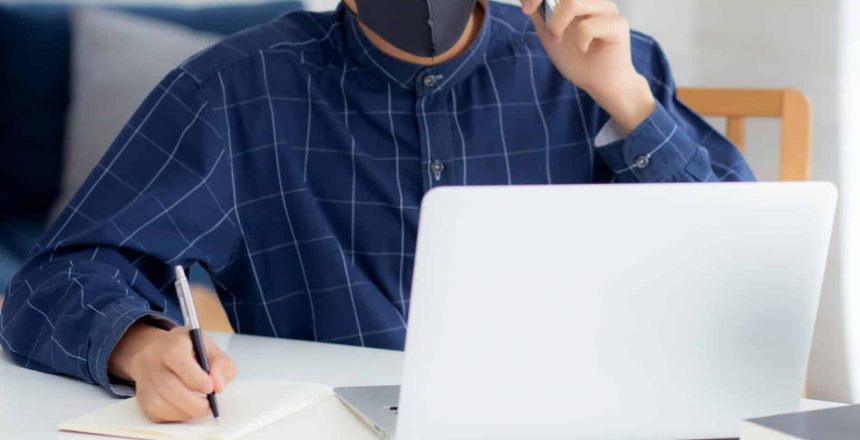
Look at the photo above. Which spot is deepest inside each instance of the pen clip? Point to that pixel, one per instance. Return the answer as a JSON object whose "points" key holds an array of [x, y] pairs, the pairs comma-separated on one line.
{"points": [[182, 307], [186, 301]]}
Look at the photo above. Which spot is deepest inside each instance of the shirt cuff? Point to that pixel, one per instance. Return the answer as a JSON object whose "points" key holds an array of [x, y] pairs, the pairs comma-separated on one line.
{"points": [[611, 132], [654, 152], [105, 335]]}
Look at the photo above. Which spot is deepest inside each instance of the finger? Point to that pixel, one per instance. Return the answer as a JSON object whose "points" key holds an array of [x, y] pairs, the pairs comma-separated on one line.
{"points": [[607, 29], [568, 10], [180, 360], [540, 27], [224, 370], [158, 410], [174, 392], [530, 6]]}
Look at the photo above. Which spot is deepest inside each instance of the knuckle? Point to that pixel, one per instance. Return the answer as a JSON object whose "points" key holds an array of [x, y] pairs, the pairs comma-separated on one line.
{"points": [[176, 351], [197, 380], [584, 29], [166, 358], [613, 7], [200, 383]]}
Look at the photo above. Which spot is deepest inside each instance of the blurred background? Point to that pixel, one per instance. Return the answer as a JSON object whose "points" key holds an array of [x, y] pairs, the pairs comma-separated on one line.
{"points": [[56, 63]]}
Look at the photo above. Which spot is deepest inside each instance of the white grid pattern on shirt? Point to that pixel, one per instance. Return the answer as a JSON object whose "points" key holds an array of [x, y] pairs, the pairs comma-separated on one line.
{"points": [[257, 283], [464, 158], [400, 198], [539, 108], [287, 216], [106, 170], [501, 121]]}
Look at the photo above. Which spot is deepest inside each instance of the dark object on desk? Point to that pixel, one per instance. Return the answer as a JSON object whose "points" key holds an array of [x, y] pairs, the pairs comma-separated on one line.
{"points": [[841, 423]]}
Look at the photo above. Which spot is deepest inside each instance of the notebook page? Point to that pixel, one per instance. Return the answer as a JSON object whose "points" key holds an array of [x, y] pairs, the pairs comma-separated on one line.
{"points": [[328, 419], [245, 407]]}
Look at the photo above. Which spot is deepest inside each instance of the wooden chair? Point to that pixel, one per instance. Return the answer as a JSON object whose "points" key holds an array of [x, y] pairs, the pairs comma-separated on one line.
{"points": [[212, 316], [736, 105]]}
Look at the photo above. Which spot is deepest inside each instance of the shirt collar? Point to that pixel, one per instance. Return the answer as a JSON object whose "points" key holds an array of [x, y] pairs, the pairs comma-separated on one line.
{"points": [[422, 79]]}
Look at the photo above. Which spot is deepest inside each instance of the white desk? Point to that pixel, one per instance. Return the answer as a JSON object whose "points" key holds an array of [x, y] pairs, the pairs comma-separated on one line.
{"points": [[32, 404]]}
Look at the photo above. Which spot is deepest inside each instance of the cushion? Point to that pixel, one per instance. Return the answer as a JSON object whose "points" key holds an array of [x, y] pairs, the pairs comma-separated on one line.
{"points": [[34, 88], [117, 59]]}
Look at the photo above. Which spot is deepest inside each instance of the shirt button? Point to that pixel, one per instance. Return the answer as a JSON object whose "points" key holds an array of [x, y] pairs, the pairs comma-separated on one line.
{"points": [[431, 80], [437, 167], [642, 161]]}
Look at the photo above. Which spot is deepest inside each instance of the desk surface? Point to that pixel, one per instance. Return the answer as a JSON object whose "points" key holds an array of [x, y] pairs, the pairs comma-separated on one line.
{"points": [[32, 404]]}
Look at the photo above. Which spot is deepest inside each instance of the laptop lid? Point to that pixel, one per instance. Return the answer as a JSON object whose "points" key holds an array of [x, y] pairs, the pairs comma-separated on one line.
{"points": [[638, 311]]}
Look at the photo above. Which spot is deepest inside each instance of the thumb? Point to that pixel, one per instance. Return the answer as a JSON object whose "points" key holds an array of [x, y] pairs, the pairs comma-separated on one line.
{"points": [[223, 370]]}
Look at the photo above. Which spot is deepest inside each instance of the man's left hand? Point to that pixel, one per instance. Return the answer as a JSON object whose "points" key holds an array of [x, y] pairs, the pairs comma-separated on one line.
{"points": [[589, 43]]}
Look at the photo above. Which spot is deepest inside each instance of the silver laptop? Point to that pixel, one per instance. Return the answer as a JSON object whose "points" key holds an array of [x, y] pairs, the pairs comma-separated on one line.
{"points": [[640, 311]]}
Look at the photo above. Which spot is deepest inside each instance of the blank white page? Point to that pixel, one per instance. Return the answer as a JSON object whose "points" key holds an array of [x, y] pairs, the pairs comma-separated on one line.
{"points": [[245, 407]]}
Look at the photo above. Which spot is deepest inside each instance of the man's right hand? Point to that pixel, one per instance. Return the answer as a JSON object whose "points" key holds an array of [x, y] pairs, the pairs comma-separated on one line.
{"points": [[171, 386]]}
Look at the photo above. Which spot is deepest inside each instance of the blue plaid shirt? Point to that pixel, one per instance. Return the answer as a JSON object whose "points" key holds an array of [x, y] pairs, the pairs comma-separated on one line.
{"points": [[290, 161]]}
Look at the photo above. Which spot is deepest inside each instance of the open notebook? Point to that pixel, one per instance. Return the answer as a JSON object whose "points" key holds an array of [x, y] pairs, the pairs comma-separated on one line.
{"points": [[252, 410]]}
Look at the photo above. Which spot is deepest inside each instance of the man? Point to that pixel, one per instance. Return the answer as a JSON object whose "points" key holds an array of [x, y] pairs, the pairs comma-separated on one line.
{"points": [[290, 161]]}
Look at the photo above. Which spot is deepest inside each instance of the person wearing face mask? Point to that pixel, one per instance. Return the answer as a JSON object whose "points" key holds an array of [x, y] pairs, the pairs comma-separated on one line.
{"points": [[290, 160]]}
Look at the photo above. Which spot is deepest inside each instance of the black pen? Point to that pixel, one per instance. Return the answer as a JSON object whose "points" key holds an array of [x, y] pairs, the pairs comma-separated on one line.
{"points": [[189, 315], [547, 8]]}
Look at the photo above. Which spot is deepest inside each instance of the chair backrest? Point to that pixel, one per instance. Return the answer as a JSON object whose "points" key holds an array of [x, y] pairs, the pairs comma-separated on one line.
{"points": [[213, 317], [736, 105]]}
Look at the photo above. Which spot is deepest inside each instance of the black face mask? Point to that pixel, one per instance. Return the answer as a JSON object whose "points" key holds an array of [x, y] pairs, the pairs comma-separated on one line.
{"points": [[425, 28]]}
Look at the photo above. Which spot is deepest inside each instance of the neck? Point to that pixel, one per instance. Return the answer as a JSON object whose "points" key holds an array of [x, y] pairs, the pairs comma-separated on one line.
{"points": [[470, 33]]}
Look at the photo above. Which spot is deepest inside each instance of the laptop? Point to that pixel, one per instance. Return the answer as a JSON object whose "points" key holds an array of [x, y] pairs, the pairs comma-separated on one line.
{"points": [[616, 311]]}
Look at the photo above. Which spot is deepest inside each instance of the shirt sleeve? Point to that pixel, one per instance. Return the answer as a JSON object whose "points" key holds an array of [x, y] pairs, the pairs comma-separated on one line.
{"points": [[673, 144], [161, 196]]}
